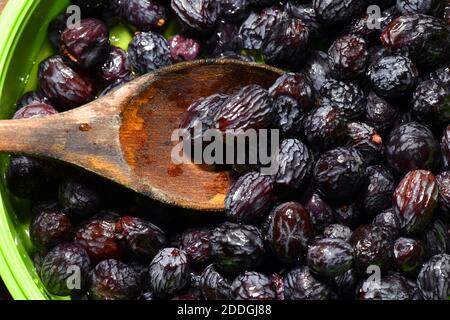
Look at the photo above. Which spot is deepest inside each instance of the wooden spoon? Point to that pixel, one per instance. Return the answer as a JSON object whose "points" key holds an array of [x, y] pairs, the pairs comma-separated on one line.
{"points": [[125, 136]]}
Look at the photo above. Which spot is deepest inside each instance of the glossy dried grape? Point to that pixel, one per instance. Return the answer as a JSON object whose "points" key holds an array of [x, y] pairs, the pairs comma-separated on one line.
{"points": [[300, 284], [286, 44], [99, 240], [431, 102], [288, 115], [411, 146], [235, 248], [257, 27], [224, 38], [307, 14], [297, 86], [250, 108], [169, 272], [443, 181], [320, 213], [316, 68], [331, 12], [330, 257], [294, 163], [149, 51], [436, 239], [214, 286], [36, 110], [141, 237], [49, 228], [58, 267], [393, 76], [339, 173], [145, 15], [380, 114], [249, 198], [372, 246], [325, 127], [32, 97], [376, 196], [348, 214], [389, 220], [196, 245], [197, 15], [337, 231], [113, 280], [78, 198], [183, 49], [414, 201], [290, 229], [429, 7], [64, 86], [253, 286], [116, 66], [425, 39], [366, 141], [347, 97], [434, 278], [348, 57], [409, 255], [445, 147], [392, 286]]}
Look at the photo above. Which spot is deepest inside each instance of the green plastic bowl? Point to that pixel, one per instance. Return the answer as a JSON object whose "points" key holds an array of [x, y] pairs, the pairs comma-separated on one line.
{"points": [[23, 44]]}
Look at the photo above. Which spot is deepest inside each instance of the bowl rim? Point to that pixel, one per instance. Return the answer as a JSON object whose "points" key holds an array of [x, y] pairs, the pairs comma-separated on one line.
{"points": [[14, 272]]}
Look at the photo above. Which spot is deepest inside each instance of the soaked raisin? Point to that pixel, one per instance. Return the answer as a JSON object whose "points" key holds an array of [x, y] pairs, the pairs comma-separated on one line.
{"points": [[183, 49], [320, 212], [330, 257], [196, 245], [366, 141], [348, 57], [307, 14], [197, 15], [409, 255], [49, 228], [36, 110], [300, 284], [215, 286], [434, 278], [380, 114], [316, 68], [145, 15], [116, 66], [253, 286], [431, 102], [32, 97], [297, 86]]}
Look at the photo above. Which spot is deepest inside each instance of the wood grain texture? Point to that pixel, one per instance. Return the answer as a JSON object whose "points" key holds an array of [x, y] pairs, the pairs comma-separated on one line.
{"points": [[130, 129]]}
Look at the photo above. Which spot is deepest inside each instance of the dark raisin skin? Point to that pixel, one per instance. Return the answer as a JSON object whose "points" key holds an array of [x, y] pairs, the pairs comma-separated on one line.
{"points": [[434, 278], [214, 286], [56, 28], [316, 68], [388, 219], [297, 86], [380, 114], [431, 102], [250, 108], [202, 113], [87, 44], [447, 14], [235, 248], [144, 15], [32, 97], [429, 7], [339, 173], [425, 39], [376, 196], [366, 140], [99, 240], [65, 87], [249, 198], [169, 272], [414, 201], [372, 246], [392, 286], [235, 10], [337, 231], [116, 66], [345, 285], [286, 45], [347, 97], [141, 237], [412, 146], [49, 228], [332, 12], [436, 239], [197, 15], [300, 284], [36, 110], [288, 116], [325, 127], [257, 28], [393, 76], [78, 198], [330, 257], [445, 147], [196, 245], [113, 280], [348, 57], [253, 286], [183, 49], [60, 264], [224, 38], [290, 229], [320, 213], [295, 163], [307, 14], [149, 51], [348, 214], [409, 255], [443, 181]]}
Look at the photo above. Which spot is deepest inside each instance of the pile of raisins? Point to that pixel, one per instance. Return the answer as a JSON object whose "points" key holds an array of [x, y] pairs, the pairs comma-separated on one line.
{"points": [[359, 206]]}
